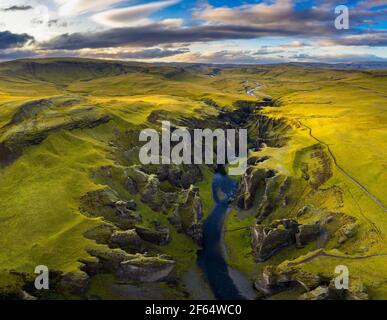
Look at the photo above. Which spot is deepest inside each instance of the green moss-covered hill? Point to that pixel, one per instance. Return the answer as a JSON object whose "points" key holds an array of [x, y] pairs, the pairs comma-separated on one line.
{"points": [[73, 194]]}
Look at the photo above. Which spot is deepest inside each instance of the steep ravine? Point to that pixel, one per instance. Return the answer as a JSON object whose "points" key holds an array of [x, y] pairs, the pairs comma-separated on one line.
{"points": [[226, 282], [297, 216], [147, 210], [182, 204]]}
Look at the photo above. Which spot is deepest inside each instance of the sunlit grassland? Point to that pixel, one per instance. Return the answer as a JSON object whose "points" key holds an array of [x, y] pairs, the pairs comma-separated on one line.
{"points": [[40, 192], [352, 123], [346, 110]]}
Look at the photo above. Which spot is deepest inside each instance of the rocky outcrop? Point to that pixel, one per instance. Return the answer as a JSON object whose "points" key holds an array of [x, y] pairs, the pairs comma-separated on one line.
{"points": [[267, 240], [253, 181], [320, 293], [330, 292], [128, 267], [265, 190], [125, 208], [108, 234], [154, 197], [30, 109], [346, 232], [274, 280], [74, 283], [106, 203], [131, 186], [253, 161], [307, 233], [182, 176], [274, 196], [305, 210], [138, 177], [147, 269], [188, 215], [128, 240], [269, 131], [161, 236], [102, 233]]}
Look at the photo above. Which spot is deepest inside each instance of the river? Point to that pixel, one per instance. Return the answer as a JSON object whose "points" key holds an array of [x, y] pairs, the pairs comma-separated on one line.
{"points": [[226, 283]]}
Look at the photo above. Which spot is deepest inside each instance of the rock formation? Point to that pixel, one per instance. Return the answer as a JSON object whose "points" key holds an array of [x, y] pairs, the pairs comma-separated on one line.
{"points": [[268, 240], [128, 267], [188, 215]]}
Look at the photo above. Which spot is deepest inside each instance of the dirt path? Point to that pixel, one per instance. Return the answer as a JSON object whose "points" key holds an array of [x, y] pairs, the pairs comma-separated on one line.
{"points": [[373, 197]]}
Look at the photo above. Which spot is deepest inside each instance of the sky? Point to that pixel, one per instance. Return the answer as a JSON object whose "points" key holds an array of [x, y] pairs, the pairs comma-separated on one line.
{"points": [[200, 31]]}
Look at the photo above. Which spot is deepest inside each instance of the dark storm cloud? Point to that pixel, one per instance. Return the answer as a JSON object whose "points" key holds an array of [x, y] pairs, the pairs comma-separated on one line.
{"points": [[245, 22], [13, 40], [158, 34], [17, 8]]}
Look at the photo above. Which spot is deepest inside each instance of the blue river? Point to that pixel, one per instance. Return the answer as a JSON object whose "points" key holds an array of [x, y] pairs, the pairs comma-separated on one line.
{"points": [[210, 258]]}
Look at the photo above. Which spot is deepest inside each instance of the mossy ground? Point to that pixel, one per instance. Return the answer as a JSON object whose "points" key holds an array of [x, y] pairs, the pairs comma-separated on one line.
{"points": [[40, 192], [346, 111], [40, 221]]}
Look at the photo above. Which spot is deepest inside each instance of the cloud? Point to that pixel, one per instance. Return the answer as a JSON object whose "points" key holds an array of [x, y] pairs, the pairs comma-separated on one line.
{"points": [[312, 21], [337, 58], [373, 3], [75, 7], [11, 54], [153, 53], [374, 39], [279, 18], [157, 34], [17, 8], [126, 28], [295, 44], [57, 23], [13, 40], [133, 15], [145, 54], [266, 50], [277, 15], [227, 57]]}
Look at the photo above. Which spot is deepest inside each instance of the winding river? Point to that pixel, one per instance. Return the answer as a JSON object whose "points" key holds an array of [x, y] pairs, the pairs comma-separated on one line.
{"points": [[211, 258]]}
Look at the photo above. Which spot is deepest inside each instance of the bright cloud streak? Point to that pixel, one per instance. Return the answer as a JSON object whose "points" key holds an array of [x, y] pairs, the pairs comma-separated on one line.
{"points": [[130, 16], [244, 31], [74, 7]]}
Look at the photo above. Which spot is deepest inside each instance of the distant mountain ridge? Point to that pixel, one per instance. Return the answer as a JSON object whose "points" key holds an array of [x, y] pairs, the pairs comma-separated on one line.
{"points": [[347, 65], [90, 68]]}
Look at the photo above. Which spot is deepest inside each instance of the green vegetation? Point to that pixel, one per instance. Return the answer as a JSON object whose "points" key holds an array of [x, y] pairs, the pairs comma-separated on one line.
{"points": [[345, 111], [62, 120]]}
